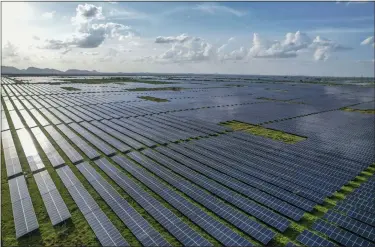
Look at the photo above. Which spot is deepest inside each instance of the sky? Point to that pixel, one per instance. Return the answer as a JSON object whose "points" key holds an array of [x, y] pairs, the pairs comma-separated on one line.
{"points": [[262, 38]]}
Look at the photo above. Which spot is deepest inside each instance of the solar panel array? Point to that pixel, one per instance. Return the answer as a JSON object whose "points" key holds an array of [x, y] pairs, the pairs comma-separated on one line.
{"points": [[103, 228], [200, 182], [12, 162], [25, 220], [55, 205]]}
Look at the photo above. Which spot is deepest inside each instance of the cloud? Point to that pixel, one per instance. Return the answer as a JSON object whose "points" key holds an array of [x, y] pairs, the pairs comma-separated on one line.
{"points": [[213, 8], [172, 39], [92, 37], [239, 54], [289, 47], [192, 49], [231, 39], [35, 37], [85, 14], [324, 47], [368, 40], [48, 15], [54, 44], [9, 50], [292, 45], [66, 51]]}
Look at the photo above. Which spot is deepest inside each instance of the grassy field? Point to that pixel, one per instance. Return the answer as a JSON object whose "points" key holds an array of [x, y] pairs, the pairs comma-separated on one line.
{"points": [[118, 80], [150, 98], [71, 88], [262, 131], [141, 89], [367, 111]]}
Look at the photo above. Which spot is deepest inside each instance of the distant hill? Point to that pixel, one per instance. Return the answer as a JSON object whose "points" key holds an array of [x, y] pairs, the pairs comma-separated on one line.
{"points": [[9, 70]]}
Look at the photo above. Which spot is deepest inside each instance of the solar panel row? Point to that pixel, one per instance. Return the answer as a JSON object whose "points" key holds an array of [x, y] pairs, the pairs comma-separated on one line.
{"points": [[102, 146], [50, 151], [164, 216], [23, 212], [12, 162], [31, 153], [145, 233], [79, 142], [72, 154], [223, 210], [55, 205], [230, 168], [216, 229], [103, 228], [252, 192]]}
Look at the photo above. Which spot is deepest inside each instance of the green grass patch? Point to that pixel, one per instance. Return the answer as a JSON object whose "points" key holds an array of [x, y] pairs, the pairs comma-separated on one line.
{"points": [[117, 80], [265, 132], [277, 90], [150, 98], [280, 100], [71, 88], [140, 89], [367, 111]]}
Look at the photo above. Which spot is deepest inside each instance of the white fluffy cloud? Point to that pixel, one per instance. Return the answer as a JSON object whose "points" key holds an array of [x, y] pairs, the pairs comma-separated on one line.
{"points": [[324, 47], [289, 47], [172, 39], [368, 40], [89, 34], [48, 15], [9, 50], [293, 44]]}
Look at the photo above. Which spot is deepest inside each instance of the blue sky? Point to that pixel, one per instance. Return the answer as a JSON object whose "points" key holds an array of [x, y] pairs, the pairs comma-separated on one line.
{"points": [[325, 38]]}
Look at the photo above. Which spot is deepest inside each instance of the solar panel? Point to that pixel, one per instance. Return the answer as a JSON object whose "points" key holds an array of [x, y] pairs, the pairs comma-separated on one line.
{"points": [[102, 146], [42, 121], [23, 212], [139, 138], [32, 156], [129, 141], [56, 207], [72, 154], [16, 120], [143, 231], [79, 142], [339, 235], [4, 121], [222, 233], [49, 116], [28, 119], [109, 139], [103, 228], [164, 216], [352, 225], [12, 162], [51, 153], [310, 239]]}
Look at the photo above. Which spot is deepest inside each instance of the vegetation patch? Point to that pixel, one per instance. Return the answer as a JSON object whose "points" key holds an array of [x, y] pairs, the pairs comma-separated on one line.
{"points": [[277, 90], [118, 80], [71, 88], [366, 111], [262, 131], [280, 100], [150, 98], [155, 89]]}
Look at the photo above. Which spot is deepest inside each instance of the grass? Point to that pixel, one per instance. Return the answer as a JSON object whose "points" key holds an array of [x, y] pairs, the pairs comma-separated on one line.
{"points": [[118, 80], [71, 88], [367, 111], [265, 132], [280, 100], [138, 89], [150, 98]]}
